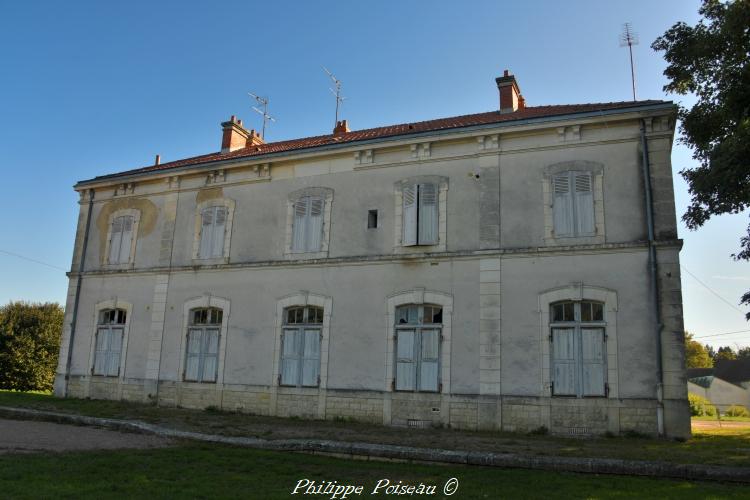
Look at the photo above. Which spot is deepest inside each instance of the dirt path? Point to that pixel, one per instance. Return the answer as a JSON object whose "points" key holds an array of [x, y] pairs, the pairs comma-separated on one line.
{"points": [[24, 436], [715, 424]]}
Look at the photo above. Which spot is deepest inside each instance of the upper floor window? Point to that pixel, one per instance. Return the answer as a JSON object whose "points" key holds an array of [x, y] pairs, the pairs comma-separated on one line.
{"points": [[201, 357], [573, 204], [418, 334], [307, 231], [121, 239], [109, 334], [578, 348], [420, 214], [213, 228], [300, 346]]}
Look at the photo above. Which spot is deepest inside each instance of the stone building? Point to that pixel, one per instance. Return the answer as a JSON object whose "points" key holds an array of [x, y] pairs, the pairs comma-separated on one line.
{"points": [[513, 269]]}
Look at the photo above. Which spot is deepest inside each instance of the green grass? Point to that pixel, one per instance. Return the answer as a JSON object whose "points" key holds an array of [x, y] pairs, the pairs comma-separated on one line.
{"points": [[724, 446], [723, 419], [208, 471]]}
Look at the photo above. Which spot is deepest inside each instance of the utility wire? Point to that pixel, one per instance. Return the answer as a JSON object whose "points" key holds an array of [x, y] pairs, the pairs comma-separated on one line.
{"points": [[720, 334], [33, 260], [712, 291]]}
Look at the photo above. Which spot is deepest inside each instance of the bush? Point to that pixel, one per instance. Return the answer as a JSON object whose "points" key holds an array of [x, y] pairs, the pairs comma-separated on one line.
{"points": [[29, 345], [737, 411], [701, 407]]}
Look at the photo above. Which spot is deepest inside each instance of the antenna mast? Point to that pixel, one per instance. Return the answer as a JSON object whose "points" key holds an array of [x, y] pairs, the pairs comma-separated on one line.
{"points": [[337, 93], [629, 37], [262, 101]]}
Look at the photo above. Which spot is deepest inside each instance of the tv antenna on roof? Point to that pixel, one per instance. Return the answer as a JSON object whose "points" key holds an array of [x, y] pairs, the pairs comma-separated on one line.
{"points": [[262, 101], [629, 37], [337, 93]]}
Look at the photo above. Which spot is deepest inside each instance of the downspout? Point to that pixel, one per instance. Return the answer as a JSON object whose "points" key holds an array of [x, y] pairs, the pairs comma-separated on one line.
{"points": [[653, 270], [79, 279]]}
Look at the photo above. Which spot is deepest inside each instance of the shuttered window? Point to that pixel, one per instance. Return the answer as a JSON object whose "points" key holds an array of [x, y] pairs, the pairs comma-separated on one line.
{"points": [[418, 334], [300, 346], [307, 227], [420, 214], [573, 204], [213, 229], [578, 349], [121, 238], [202, 345], [109, 333]]}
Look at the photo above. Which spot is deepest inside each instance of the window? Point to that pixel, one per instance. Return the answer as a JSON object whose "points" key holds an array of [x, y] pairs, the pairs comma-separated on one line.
{"points": [[578, 349], [372, 219], [418, 335], [573, 204], [212, 232], [109, 333], [300, 346], [420, 214], [121, 237], [307, 228], [201, 358]]}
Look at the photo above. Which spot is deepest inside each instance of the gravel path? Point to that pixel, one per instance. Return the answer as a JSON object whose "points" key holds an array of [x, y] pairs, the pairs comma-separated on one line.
{"points": [[24, 436]]}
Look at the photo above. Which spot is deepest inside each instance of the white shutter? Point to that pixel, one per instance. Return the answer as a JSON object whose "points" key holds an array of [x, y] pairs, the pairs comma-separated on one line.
{"points": [[113, 353], [207, 224], [428, 369], [409, 215], [315, 225], [584, 203], [100, 357], [405, 365], [126, 239], [564, 355], [592, 349], [299, 224], [193, 355], [428, 215], [115, 241], [290, 356], [563, 205], [217, 236], [210, 354], [311, 358]]}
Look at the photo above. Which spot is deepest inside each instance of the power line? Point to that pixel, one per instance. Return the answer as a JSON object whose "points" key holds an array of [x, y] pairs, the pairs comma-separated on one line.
{"points": [[33, 260], [712, 291], [720, 334]]}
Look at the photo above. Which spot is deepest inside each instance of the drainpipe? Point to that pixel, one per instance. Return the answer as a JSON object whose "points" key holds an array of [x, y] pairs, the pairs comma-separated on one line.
{"points": [[653, 270], [79, 278]]}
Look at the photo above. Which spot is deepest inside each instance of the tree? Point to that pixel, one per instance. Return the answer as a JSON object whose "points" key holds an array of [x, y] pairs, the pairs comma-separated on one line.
{"points": [[29, 345], [725, 352], [696, 354], [710, 60], [743, 353]]}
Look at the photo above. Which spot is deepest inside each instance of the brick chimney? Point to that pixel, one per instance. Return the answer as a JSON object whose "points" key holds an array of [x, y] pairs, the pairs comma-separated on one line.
{"points": [[342, 127], [236, 136], [510, 95]]}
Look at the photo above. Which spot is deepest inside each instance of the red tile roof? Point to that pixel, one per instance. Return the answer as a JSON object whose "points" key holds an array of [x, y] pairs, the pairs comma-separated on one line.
{"points": [[388, 131]]}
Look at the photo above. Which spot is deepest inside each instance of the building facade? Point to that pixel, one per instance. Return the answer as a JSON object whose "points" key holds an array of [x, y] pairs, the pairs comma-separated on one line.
{"points": [[511, 270]]}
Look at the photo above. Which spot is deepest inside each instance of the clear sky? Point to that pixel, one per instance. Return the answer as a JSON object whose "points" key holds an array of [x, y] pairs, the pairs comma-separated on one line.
{"points": [[89, 88]]}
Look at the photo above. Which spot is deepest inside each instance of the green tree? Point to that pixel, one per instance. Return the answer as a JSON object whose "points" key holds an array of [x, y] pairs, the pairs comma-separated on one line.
{"points": [[696, 354], [743, 353], [29, 345], [725, 352], [710, 60]]}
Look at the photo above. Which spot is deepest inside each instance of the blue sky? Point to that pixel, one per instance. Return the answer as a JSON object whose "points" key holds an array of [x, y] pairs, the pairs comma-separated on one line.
{"points": [[89, 88]]}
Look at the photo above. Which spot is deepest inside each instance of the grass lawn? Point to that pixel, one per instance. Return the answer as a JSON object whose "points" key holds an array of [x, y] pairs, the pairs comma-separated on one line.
{"points": [[213, 471], [724, 446]]}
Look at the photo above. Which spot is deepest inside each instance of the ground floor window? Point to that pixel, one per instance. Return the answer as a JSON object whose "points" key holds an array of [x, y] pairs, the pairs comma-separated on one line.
{"points": [[109, 333], [201, 358], [300, 346], [418, 334]]}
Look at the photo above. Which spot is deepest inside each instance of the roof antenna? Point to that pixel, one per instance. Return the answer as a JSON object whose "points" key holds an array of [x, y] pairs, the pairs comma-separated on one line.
{"points": [[337, 93], [629, 37], [262, 101]]}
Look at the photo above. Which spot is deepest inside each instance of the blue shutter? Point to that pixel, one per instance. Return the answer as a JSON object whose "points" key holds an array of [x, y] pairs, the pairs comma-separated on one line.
{"points": [[409, 217], [428, 368], [563, 205], [290, 356], [428, 214], [314, 225], [584, 203], [592, 350], [218, 232], [564, 357], [299, 224], [405, 362], [206, 238], [311, 358]]}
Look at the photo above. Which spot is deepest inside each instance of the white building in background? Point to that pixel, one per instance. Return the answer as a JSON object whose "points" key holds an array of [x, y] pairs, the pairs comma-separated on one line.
{"points": [[504, 270]]}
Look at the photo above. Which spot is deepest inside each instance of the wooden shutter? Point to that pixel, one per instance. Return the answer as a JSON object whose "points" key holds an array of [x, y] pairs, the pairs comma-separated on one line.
{"points": [[218, 232], [311, 358], [563, 205], [207, 224], [564, 356], [126, 239], [210, 351], [428, 215], [409, 220], [299, 226], [193, 355], [113, 353], [290, 341], [102, 345], [429, 352], [115, 241], [315, 225], [405, 362], [592, 358], [584, 203]]}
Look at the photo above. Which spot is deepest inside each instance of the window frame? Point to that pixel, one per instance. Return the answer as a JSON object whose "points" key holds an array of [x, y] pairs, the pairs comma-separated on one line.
{"points": [[109, 327], [439, 244], [574, 209], [205, 329], [301, 330], [325, 194], [419, 328], [229, 205], [135, 214], [578, 325]]}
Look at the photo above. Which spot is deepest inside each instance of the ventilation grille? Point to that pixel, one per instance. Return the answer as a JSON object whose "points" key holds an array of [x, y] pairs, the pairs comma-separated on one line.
{"points": [[419, 424]]}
